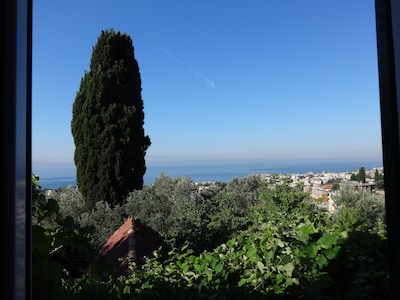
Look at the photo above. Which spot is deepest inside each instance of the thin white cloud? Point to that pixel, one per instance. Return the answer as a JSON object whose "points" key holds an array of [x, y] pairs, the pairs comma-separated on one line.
{"points": [[210, 83], [173, 57], [196, 73], [207, 81]]}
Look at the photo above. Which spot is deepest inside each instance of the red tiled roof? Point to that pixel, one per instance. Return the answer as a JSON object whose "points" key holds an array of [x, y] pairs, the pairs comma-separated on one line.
{"points": [[326, 186], [132, 241]]}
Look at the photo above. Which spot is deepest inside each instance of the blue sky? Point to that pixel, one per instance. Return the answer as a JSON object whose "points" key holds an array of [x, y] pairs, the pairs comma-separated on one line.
{"points": [[223, 81]]}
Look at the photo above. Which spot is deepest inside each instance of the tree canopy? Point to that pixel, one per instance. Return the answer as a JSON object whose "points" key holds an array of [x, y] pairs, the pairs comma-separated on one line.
{"points": [[107, 123]]}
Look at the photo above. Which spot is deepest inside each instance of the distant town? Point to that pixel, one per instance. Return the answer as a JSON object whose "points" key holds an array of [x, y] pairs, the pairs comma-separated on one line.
{"points": [[319, 184]]}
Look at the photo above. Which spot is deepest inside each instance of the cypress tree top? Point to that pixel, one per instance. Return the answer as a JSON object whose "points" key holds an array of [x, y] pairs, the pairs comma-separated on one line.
{"points": [[107, 123]]}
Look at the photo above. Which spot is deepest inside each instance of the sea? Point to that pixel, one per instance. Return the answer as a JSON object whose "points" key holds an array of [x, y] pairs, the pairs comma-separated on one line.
{"points": [[226, 172]]}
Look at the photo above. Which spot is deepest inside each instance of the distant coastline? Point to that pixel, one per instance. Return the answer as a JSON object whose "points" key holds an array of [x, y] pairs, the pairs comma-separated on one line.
{"points": [[226, 172]]}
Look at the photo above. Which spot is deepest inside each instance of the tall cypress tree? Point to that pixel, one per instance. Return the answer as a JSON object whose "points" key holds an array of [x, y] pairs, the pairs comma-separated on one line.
{"points": [[107, 123], [361, 174]]}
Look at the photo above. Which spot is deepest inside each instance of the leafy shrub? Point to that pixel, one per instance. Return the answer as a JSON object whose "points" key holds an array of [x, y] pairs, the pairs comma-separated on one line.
{"points": [[277, 245], [358, 209], [267, 262], [102, 217]]}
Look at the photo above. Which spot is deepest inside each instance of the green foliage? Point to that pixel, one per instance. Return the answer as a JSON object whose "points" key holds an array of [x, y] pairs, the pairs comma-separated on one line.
{"points": [[277, 245], [203, 219], [266, 262], [358, 209], [61, 249], [335, 183], [225, 217], [279, 201], [379, 180], [230, 208], [70, 201], [102, 217], [46, 273], [107, 123], [361, 174], [173, 207]]}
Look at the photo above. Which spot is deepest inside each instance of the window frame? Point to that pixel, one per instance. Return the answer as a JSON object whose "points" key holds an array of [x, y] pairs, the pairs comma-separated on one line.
{"points": [[15, 109]]}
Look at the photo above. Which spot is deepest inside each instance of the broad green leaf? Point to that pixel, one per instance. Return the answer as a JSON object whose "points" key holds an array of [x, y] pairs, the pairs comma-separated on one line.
{"points": [[204, 266], [278, 278], [251, 253], [197, 267], [327, 240], [260, 266], [230, 243], [308, 229], [303, 238], [289, 268], [311, 250], [127, 289], [185, 267], [218, 268], [280, 243], [269, 255], [209, 275], [208, 257], [192, 258], [332, 252], [321, 261], [221, 248], [242, 281], [213, 262], [263, 242]]}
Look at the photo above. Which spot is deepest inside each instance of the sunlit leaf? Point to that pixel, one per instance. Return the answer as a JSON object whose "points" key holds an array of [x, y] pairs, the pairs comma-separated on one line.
{"points": [[260, 266], [327, 240]]}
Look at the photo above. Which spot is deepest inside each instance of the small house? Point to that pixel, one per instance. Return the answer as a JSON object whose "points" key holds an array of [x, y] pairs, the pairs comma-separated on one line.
{"points": [[132, 242]]}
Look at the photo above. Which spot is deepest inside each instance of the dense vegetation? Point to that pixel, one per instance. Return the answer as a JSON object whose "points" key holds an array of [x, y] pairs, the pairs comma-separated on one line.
{"points": [[245, 238], [107, 123], [360, 176]]}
